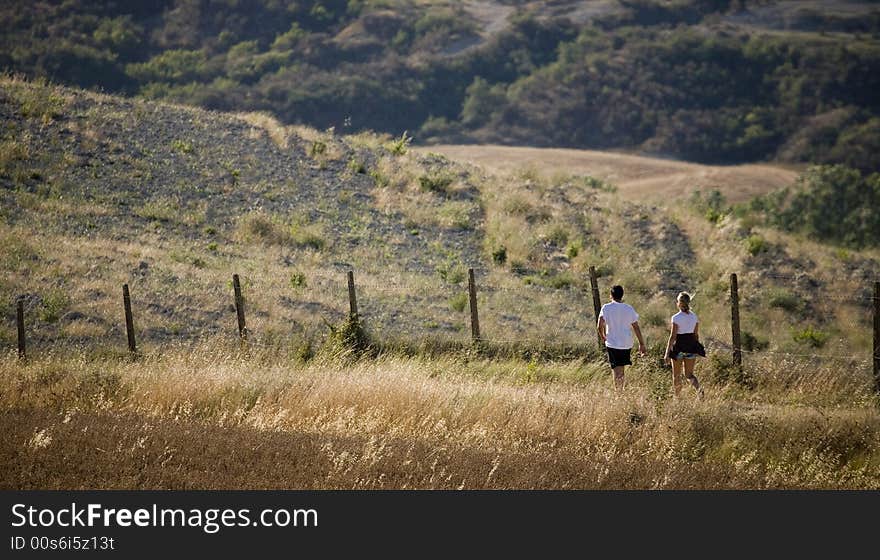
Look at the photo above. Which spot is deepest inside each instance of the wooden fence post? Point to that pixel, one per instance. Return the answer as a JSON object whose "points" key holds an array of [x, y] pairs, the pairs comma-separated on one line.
{"points": [[734, 320], [352, 299], [129, 321], [597, 303], [877, 336], [239, 307], [19, 315], [475, 318]]}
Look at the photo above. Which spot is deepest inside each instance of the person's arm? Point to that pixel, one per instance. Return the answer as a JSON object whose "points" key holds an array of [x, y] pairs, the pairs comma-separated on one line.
{"points": [[673, 333], [642, 348], [697, 331], [600, 326]]}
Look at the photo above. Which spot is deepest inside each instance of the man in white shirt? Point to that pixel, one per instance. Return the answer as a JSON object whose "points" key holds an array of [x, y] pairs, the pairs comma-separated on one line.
{"points": [[617, 322]]}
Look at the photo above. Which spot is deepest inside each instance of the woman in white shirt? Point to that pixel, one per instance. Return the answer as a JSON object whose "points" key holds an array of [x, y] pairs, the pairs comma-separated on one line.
{"points": [[684, 344]]}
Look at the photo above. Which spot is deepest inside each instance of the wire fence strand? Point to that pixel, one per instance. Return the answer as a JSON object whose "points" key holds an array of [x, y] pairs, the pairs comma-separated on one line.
{"points": [[564, 315]]}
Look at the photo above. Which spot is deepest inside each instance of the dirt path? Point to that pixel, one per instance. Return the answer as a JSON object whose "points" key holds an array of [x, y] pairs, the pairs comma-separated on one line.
{"points": [[637, 177]]}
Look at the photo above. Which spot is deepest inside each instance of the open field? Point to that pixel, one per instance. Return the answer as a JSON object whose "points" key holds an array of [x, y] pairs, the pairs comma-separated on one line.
{"points": [[213, 416], [638, 178], [97, 191]]}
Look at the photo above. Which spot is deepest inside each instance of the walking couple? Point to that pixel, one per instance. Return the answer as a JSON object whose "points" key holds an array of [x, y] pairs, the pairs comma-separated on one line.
{"points": [[617, 322]]}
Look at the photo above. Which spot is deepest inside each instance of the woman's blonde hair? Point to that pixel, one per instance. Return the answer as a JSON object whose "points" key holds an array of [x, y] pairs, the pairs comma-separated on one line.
{"points": [[684, 299]]}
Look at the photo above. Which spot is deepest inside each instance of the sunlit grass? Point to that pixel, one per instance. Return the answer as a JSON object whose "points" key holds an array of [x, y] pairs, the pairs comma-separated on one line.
{"points": [[798, 426]]}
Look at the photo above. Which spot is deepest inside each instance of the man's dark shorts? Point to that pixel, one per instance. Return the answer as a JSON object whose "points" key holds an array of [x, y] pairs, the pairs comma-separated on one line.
{"points": [[619, 357]]}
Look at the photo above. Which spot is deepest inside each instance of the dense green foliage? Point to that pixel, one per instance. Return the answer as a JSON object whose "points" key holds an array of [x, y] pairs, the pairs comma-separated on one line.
{"points": [[828, 203], [685, 78]]}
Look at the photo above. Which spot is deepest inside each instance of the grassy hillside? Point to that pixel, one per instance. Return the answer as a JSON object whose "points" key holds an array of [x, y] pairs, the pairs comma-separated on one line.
{"points": [[703, 80], [100, 191], [635, 177], [97, 191]]}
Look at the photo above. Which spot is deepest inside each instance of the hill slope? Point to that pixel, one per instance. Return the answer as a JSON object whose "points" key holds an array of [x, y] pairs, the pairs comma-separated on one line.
{"points": [[98, 191], [637, 178]]}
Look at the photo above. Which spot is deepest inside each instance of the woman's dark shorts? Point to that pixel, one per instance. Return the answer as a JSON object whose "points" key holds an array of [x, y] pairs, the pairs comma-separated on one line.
{"points": [[619, 357]]}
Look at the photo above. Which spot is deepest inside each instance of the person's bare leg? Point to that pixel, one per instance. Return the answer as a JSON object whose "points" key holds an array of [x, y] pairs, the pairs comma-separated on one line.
{"points": [[618, 377], [689, 364], [676, 377]]}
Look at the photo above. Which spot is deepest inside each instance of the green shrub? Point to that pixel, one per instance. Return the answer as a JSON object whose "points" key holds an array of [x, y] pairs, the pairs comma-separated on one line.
{"points": [[755, 244], [518, 267], [53, 306], [753, 343], [435, 183], [380, 179], [829, 203], [459, 302], [810, 336], [783, 299], [558, 236], [714, 216], [349, 337], [455, 215], [318, 148], [499, 255], [561, 281], [182, 146], [40, 103], [451, 272], [723, 369], [399, 146], [598, 184], [309, 236], [297, 280], [517, 206]]}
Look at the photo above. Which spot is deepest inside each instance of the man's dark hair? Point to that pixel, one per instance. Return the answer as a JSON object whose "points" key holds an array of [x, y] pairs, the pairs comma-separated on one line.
{"points": [[617, 292]]}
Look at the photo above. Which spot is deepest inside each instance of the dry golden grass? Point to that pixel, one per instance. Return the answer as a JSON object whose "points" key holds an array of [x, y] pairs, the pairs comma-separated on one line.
{"points": [[207, 414], [637, 177], [214, 416], [270, 125]]}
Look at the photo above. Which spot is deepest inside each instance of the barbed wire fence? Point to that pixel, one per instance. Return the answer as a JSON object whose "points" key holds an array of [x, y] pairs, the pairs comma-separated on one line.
{"points": [[528, 318]]}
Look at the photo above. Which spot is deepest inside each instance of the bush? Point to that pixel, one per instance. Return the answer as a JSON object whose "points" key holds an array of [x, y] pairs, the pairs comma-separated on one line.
{"points": [[53, 306], [752, 343], [783, 299], [499, 255], [518, 267], [318, 148], [349, 337], [810, 336], [755, 244], [598, 184], [723, 369], [262, 227], [558, 236], [399, 146], [435, 183], [297, 280], [561, 281], [309, 236], [451, 272], [459, 302], [828, 203]]}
